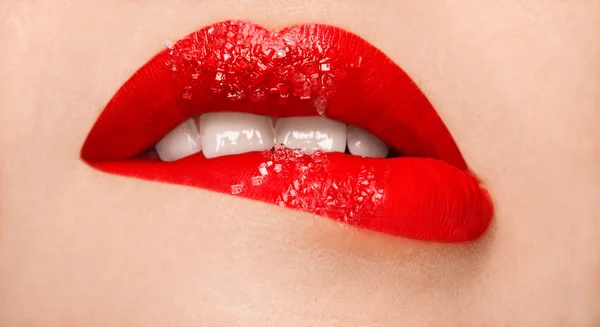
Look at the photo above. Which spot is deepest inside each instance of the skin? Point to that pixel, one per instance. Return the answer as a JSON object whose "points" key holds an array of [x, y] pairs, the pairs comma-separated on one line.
{"points": [[516, 83]]}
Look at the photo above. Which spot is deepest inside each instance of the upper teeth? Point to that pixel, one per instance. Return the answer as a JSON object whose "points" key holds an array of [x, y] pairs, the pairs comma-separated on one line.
{"points": [[365, 144], [226, 133], [182, 141], [311, 134]]}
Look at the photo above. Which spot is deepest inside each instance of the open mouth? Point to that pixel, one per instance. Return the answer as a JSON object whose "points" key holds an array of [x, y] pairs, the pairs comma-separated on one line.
{"points": [[311, 117]]}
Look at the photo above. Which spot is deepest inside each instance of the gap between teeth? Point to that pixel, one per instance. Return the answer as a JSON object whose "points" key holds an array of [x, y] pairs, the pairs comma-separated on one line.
{"points": [[226, 133]]}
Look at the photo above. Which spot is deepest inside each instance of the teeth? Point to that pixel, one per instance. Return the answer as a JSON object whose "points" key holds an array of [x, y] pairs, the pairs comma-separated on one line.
{"points": [[182, 141], [311, 134], [365, 144], [226, 133]]}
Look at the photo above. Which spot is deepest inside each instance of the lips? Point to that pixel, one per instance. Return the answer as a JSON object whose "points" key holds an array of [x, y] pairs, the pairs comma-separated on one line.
{"points": [[426, 193]]}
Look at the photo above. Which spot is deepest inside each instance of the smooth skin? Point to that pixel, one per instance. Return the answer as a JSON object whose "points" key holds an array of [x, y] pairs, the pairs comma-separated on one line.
{"points": [[517, 83]]}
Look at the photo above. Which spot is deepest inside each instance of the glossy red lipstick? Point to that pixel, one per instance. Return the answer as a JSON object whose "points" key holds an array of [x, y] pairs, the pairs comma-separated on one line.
{"points": [[426, 194]]}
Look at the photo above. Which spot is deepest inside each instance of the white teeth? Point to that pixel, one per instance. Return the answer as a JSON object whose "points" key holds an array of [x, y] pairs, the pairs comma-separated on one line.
{"points": [[311, 134], [226, 133], [182, 141], [365, 144]]}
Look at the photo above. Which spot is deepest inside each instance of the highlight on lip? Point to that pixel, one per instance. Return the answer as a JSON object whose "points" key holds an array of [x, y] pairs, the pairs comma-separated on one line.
{"points": [[311, 117]]}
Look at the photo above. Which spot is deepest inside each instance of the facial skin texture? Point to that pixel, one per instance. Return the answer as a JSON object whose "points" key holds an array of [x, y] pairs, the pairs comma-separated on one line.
{"points": [[516, 83]]}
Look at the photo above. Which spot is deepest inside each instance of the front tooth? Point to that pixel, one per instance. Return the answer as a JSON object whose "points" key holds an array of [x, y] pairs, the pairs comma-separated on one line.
{"points": [[365, 144], [225, 133], [311, 134], [182, 141]]}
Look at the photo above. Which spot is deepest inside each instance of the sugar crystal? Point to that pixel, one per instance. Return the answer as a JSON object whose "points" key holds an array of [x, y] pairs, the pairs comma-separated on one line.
{"points": [[262, 169], [321, 105], [187, 93], [237, 189], [257, 180], [169, 44]]}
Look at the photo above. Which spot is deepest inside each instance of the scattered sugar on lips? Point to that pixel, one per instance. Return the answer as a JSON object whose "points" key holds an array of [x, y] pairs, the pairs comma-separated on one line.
{"points": [[241, 61], [315, 189]]}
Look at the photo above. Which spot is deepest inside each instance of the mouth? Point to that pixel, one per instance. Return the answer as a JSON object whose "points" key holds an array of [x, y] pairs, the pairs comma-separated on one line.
{"points": [[311, 117]]}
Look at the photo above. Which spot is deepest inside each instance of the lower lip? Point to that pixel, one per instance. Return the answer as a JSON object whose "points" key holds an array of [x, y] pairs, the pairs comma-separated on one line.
{"points": [[417, 198]]}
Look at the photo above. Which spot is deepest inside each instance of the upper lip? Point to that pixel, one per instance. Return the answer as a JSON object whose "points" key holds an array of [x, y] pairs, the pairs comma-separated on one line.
{"points": [[199, 74], [373, 93]]}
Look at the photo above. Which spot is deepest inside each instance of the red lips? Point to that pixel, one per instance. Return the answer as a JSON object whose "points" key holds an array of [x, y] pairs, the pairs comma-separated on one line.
{"points": [[426, 194]]}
